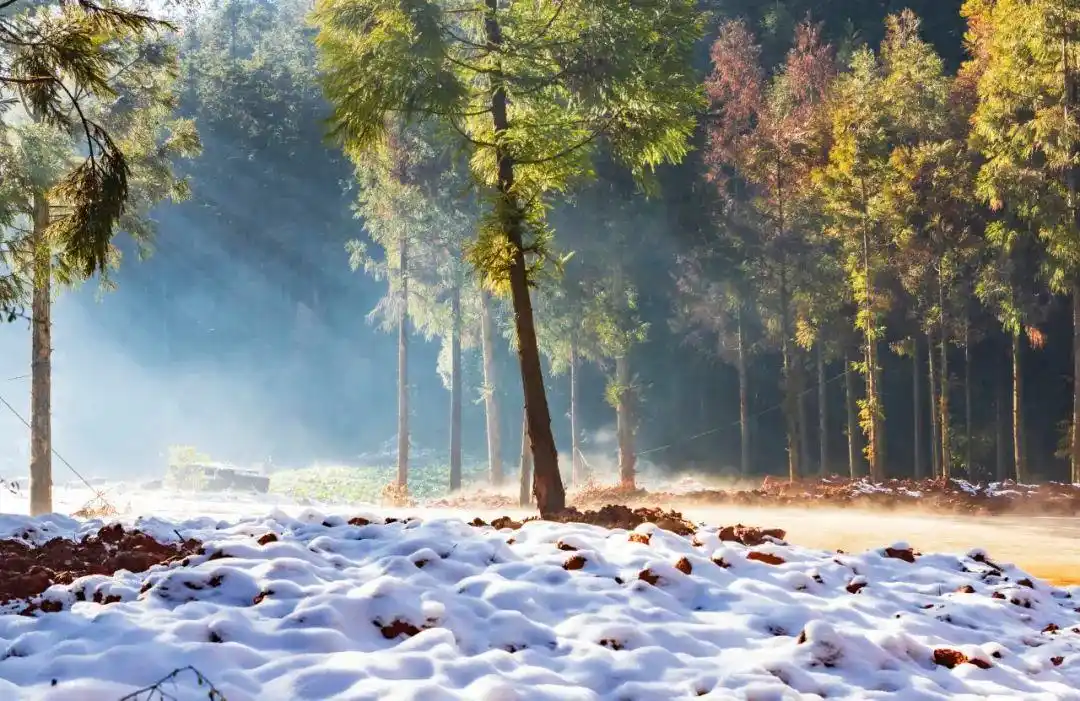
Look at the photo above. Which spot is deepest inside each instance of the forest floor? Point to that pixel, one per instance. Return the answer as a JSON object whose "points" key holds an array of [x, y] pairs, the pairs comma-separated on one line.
{"points": [[939, 496], [338, 603]]}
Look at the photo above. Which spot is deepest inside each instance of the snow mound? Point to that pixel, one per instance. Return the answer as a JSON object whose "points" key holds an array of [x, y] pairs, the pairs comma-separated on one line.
{"points": [[325, 607]]}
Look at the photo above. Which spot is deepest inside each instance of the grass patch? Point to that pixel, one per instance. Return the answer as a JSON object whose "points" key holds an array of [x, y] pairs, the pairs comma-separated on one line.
{"points": [[344, 483]]}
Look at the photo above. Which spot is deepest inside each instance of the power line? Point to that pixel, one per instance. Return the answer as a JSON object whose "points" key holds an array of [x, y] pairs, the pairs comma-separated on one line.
{"points": [[54, 451], [725, 427]]}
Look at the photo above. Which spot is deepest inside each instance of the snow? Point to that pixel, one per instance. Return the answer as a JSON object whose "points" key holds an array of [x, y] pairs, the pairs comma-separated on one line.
{"points": [[497, 617]]}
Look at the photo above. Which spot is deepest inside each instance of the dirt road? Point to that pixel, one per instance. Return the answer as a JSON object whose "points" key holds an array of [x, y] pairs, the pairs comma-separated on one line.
{"points": [[1046, 547]]}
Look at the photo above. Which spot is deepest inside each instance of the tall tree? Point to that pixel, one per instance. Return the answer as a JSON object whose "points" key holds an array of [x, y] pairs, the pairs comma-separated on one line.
{"points": [[713, 312], [771, 134], [394, 211], [1027, 127], [117, 137], [885, 106], [937, 222], [415, 206], [535, 88]]}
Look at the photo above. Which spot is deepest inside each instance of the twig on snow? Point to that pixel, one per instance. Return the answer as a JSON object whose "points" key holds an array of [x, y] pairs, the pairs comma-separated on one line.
{"points": [[154, 691]]}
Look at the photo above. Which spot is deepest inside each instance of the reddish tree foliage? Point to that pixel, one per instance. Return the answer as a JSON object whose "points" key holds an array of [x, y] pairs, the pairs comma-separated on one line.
{"points": [[735, 89]]}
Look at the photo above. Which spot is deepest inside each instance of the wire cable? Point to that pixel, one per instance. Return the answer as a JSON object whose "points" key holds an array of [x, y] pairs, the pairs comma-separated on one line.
{"points": [[54, 451], [725, 427]]}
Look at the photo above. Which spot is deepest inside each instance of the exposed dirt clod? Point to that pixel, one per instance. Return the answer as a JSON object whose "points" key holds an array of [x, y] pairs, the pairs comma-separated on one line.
{"points": [[396, 628], [575, 562], [619, 516], [953, 658], [749, 535], [767, 558], [27, 571], [905, 554]]}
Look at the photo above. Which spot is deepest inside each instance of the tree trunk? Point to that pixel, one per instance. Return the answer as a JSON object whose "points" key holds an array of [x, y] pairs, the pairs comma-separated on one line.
{"points": [[945, 421], [524, 491], [1019, 435], [967, 400], [852, 420], [804, 413], [873, 400], [625, 417], [455, 390], [791, 414], [41, 367], [1000, 400], [935, 433], [823, 414], [575, 447], [491, 401], [916, 401], [1072, 177], [744, 404], [403, 368], [1074, 452], [547, 482]]}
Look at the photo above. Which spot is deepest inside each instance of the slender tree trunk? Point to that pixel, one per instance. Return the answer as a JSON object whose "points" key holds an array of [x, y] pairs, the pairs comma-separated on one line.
{"points": [[1019, 435], [41, 367], [916, 401], [575, 447], [403, 368], [1072, 177], [804, 413], [852, 419], [744, 402], [1074, 443], [625, 417], [875, 453], [946, 419], [524, 491], [791, 413], [491, 400], [1002, 471], [873, 424], [455, 390], [935, 433], [548, 486], [823, 414], [967, 399]]}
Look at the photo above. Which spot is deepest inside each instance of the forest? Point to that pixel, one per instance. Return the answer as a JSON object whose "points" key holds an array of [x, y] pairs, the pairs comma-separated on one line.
{"points": [[846, 236]]}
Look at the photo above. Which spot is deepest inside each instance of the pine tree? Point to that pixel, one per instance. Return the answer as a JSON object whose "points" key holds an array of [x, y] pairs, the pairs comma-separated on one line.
{"points": [[126, 117], [1027, 128], [771, 135], [535, 88]]}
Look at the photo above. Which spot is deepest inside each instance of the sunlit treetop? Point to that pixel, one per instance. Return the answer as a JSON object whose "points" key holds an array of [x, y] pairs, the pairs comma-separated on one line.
{"points": [[55, 59], [1027, 131], [578, 75]]}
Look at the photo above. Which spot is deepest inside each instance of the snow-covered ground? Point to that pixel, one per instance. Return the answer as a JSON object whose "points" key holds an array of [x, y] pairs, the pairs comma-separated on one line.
{"points": [[437, 609]]}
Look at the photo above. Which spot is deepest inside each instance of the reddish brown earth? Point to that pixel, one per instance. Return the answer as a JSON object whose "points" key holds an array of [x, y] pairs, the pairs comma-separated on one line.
{"points": [[27, 571], [933, 495]]}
